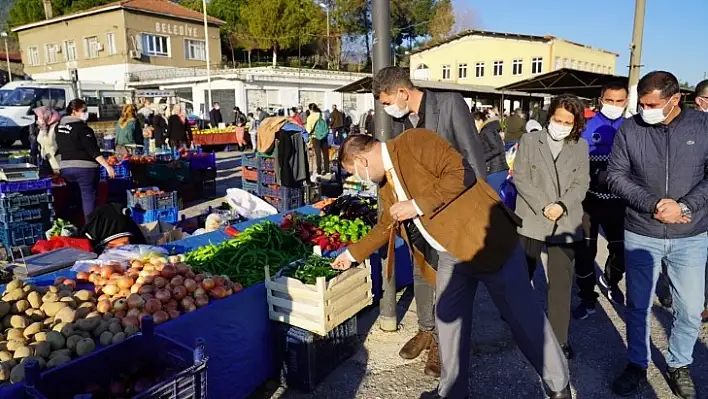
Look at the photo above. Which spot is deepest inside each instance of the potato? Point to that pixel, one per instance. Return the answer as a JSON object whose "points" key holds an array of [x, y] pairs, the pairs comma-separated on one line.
{"points": [[67, 329], [40, 336], [85, 346], [93, 315], [27, 288], [13, 345], [4, 372], [106, 338], [4, 308], [83, 295], [52, 308], [35, 315], [88, 324], [60, 352], [32, 329], [131, 330], [40, 360], [6, 321], [56, 340], [22, 351], [64, 291], [120, 337], [69, 301], [115, 328], [72, 341], [34, 299], [57, 361], [42, 349], [109, 316], [14, 284], [14, 295], [100, 329], [66, 315], [50, 297], [5, 355], [18, 321], [16, 334], [52, 289], [17, 374], [82, 334], [20, 306]]}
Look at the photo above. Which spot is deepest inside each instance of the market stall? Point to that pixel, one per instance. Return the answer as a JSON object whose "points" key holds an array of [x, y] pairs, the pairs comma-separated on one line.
{"points": [[220, 136]]}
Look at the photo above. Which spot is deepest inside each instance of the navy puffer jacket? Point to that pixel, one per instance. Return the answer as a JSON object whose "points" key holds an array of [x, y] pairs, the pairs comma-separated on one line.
{"points": [[651, 162]]}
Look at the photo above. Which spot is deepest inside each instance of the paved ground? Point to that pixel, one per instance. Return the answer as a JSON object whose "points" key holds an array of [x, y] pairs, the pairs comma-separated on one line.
{"points": [[498, 368]]}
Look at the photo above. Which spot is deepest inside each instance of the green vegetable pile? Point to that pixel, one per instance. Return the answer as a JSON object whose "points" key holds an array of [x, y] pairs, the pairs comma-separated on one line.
{"points": [[62, 228], [244, 257], [345, 230], [314, 267]]}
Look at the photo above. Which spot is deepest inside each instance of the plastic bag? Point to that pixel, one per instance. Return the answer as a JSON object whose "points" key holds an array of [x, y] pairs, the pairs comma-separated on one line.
{"points": [[511, 155], [127, 253], [248, 205], [508, 193]]}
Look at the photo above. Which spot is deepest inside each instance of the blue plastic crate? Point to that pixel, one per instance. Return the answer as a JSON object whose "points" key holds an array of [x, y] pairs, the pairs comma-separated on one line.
{"points": [[15, 215], [267, 163], [202, 162], [17, 200], [251, 187], [286, 204], [20, 234], [181, 369], [250, 161], [274, 190], [153, 202], [307, 358], [25, 185], [122, 171], [169, 215], [266, 177], [116, 186]]}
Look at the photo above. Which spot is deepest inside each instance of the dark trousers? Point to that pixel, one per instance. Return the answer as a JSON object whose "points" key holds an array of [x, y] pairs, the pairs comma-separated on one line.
{"points": [[608, 215], [560, 280], [321, 151], [84, 181]]}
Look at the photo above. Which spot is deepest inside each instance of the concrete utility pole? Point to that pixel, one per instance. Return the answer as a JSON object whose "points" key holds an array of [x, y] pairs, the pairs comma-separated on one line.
{"points": [[208, 59], [382, 58], [7, 57], [635, 59]]}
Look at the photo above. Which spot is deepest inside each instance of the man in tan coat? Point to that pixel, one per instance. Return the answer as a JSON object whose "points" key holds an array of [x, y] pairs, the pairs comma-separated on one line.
{"points": [[424, 180]]}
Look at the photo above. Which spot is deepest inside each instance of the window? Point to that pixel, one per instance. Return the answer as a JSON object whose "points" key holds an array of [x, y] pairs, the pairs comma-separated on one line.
{"points": [[574, 64], [558, 63], [587, 66], [462, 71], [422, 72], [58, 99], [609, 70], [111, 43], [479, 70], [566, 63], [33, 55], [517, 67], [195, 50], [498, 68], [446, 71], [91, 47], [69, 50], [536, 65], [592, 67], [50, 53], [155, 45]]}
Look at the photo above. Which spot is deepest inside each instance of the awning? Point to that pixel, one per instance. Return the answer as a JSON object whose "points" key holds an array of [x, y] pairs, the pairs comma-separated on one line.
{"points": [[363, 85]]}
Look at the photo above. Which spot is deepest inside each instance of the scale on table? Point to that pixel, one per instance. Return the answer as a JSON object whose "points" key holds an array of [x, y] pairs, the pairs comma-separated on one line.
{"points": [[133, 148], [47, 262], [18, 172]]}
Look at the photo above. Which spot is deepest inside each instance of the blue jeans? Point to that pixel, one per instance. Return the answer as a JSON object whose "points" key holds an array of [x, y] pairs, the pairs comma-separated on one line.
{"points": [[84, 180], [685, 260]]}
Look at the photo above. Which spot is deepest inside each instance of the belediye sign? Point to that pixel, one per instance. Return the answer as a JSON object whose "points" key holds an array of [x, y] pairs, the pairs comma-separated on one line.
{"points": [[174, 29]]}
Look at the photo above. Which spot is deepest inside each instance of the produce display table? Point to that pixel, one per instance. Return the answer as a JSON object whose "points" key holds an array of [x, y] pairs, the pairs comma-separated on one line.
{"points": [[217, 138]]}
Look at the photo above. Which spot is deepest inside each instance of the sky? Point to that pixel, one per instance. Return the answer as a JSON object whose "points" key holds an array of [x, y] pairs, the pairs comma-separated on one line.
{"points": [[675, 37]]}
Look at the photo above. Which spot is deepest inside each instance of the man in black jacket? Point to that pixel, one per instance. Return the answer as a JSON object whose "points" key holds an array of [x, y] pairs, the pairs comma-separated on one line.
{"points": [[446, 114], [658, 166], [215, 116]]}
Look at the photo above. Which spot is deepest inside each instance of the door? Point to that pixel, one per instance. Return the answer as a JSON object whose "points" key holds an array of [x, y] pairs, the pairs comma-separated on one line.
{"points": [[308, 97], [226, 100], [256, 98]]}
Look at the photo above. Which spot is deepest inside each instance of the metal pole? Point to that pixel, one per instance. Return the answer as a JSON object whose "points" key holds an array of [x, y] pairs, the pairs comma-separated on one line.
{"points": [[329, 56], [7, 59], [382, 58], [208, 60], [635, 59]]}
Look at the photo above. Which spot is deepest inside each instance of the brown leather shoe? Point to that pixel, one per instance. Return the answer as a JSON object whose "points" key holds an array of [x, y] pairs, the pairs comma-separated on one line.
{"points": [[416, 345], [432, 366]]}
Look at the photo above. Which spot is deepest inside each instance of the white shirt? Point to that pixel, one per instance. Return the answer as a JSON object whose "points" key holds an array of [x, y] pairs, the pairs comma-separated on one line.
{"points": [[401, 194]]}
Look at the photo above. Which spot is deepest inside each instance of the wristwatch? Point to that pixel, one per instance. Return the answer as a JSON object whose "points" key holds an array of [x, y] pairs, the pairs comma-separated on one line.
{"points": [[685, 210]]}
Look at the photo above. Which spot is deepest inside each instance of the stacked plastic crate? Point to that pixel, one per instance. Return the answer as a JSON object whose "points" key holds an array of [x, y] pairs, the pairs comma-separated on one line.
{"points": [[203, 168], [150, 204], [250, 164], [117, 186], [281, 197], [26, 212]]}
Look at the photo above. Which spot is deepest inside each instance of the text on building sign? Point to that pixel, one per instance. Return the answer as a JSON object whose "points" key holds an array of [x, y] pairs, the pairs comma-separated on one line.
{"points": [[173, 29]]}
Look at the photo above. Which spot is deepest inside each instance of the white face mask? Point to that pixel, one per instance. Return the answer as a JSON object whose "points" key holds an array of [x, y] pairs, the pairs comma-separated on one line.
{"points": [[557, 131], [396, 112], [84, 116], [360, 177], [705, 102], [612, 112], [656, 115]]}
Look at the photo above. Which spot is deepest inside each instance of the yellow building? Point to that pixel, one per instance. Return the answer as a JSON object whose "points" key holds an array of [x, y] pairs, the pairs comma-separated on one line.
{"points": [[109, 42], [496, 59]]}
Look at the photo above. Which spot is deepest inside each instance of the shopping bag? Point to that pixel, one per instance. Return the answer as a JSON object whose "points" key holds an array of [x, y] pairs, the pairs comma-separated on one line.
{"points": [[511, 155], [508, 193], [248, 205]]}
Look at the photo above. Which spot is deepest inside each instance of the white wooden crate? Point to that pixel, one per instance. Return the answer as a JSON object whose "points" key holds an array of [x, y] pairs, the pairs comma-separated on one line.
{"points": [[321, 307]]}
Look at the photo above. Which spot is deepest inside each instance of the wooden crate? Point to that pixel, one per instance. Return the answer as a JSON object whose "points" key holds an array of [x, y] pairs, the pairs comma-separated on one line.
{"points": [[321, 307]]}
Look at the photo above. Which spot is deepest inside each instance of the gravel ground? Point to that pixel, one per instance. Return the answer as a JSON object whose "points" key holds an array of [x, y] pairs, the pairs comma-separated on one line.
{"points": [[498, 369]]}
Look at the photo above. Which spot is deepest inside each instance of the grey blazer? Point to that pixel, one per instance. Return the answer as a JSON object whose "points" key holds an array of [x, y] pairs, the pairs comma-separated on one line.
{"points": [[448, 115], [537, 186]]}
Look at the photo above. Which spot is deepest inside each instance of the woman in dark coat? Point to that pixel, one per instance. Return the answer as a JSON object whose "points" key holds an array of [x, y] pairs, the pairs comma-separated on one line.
{"points": [[159, 125], [489, 130], [178, 131]]}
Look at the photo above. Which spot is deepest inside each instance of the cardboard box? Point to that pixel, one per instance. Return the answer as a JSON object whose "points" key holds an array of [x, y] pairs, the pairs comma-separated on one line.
{"points": [[159, 233]]}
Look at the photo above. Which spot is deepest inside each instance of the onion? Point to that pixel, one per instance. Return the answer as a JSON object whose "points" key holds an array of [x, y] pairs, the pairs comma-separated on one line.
{"points": [[82, 276], [132, 273], [169, 272], [199, 278], [148, 267], [179, 292], [173, 259], [218, 280], [135, 288], [190, 274], [106, 271], [146, 289], [208, 283], [181, 268], [59, 280], [142, 385], [186, 302], [130, 321], [160, 317], [201, 301], [171, 304], [120, 304], [155, 273], [199, 292], [160, 282], [110, 289], [116, 388], [173, 313], [92, 278], [152, 305], [120, 314], [163, 295], [143, 315], [190, 285], [135, 301], [177, 280], [125, 282], [103, 306], [237, 287], [147, 297], [159, 266], [136, 264], [144, 273], [191, 308], [218, 292], [133, 313], [229, 291], [118, 268], [95, 269], [124, 293]]}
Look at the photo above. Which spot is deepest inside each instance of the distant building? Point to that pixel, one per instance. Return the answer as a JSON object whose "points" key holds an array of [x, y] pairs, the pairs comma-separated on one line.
{"points": [[108, 42], [15, 67], [496, 59]]}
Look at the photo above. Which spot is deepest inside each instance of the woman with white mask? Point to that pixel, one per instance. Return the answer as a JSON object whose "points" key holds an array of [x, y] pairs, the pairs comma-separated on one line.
{"points": [[551, 174], [702, 99]]}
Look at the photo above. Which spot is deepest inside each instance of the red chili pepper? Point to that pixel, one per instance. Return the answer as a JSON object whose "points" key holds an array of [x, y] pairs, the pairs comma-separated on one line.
{"points": [[232, 232]]}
